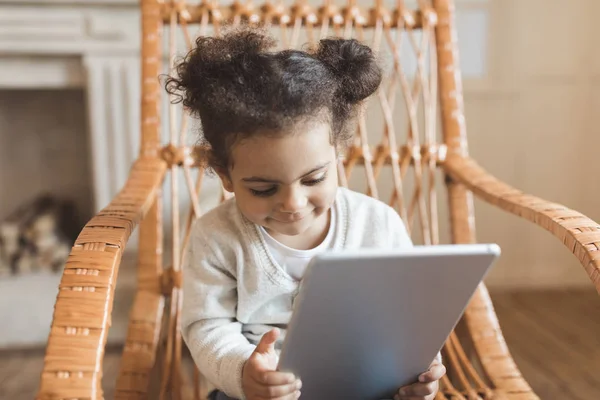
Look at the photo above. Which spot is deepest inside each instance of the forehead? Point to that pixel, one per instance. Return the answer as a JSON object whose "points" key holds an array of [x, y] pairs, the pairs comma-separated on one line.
{"points": [[283, 155]]}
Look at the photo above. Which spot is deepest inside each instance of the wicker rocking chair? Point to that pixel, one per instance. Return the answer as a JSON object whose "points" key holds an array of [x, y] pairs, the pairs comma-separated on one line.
{"points": [[398, 156]]}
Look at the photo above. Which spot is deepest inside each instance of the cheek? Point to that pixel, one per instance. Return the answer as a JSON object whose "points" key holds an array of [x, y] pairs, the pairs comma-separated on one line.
{"points": [[324, 196], [254, 208]]}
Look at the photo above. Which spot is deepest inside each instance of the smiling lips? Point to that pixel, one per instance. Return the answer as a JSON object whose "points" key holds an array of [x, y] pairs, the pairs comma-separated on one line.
{"points": [[291, 219]]}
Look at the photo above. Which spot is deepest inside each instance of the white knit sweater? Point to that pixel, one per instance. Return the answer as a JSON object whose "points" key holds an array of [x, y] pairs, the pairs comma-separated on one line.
{"points": [[234, 291]]}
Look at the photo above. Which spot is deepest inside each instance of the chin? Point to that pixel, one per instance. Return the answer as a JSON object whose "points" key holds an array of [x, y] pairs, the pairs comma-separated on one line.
{"points": [[293, 229]]}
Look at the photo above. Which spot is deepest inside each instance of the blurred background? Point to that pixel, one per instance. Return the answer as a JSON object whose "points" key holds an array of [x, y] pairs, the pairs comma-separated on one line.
{"points": [[69, 131]]}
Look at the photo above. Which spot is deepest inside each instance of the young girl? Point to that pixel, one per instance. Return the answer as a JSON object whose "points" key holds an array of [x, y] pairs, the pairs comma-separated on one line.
{"points": [[275, 123]]}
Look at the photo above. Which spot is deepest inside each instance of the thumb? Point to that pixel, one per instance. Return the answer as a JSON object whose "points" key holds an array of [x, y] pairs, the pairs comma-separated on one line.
{"points": [[267, 342]]}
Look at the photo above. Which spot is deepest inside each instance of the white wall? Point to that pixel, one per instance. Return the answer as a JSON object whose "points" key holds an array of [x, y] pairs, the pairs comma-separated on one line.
{"points": [[534, 123]]}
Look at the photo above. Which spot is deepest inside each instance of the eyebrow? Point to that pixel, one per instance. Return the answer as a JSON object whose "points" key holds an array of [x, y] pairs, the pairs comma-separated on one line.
{"points": [[259, 179]]}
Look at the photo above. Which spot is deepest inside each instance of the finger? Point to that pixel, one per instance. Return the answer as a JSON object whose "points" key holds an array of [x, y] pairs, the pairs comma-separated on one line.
{"points": [[418, 389], [274, 392], [435, 373], [436, 361], [267, 341], [275, 378]]}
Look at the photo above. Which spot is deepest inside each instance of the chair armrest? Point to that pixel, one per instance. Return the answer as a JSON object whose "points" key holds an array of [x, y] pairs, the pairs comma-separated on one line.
{"points": [[579, 233], [73, 361]]}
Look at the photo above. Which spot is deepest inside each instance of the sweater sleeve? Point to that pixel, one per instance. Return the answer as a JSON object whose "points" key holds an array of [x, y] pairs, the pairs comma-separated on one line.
{"points": [[209, 325], [400, 237]]}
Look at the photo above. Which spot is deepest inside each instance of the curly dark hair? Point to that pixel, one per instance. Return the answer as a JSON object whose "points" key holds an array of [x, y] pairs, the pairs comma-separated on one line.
{"points": [[238, 88]]}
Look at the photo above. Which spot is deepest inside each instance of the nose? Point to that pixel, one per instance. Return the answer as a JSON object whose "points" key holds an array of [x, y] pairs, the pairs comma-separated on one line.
{"points": [[294, 200]]}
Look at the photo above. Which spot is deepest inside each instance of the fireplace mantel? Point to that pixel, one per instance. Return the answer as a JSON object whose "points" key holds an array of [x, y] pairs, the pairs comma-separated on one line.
{"points": [[69, 27]]}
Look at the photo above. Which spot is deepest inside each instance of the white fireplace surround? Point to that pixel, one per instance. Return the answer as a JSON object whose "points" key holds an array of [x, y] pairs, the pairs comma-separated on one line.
{"points": [[94, 46], [88, 44]]}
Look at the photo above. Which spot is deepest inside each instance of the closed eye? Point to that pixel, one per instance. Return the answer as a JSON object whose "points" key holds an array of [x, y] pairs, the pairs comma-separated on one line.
{"points": [[264, 193], [272, 190], [314, 182]]}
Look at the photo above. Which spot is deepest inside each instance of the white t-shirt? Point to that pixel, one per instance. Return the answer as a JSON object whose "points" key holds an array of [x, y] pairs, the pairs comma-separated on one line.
{"points": [[294, 261]]}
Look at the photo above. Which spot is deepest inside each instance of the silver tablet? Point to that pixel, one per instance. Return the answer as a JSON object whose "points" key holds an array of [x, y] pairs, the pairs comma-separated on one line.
{"points": [[368, 322]]}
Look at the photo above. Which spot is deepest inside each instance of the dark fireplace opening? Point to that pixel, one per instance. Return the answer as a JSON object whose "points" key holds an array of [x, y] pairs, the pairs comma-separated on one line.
{"points": [[45, 177]]}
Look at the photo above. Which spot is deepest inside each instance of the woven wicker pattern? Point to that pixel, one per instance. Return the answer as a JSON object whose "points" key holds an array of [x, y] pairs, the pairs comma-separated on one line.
{"points": [[396, 157], [73, 362]]}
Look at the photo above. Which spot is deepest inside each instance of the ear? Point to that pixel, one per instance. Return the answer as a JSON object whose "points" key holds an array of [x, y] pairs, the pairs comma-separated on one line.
{"points": [[225, 179]]}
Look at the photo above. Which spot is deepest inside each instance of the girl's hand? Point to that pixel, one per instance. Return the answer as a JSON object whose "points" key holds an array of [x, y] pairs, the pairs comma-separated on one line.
{"points": [[427, 386], [261, 381]]}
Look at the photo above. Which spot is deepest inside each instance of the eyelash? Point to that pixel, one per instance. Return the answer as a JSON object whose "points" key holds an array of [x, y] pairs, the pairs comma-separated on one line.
{"points": [[264, 193], [273, 190], [314, 182]]}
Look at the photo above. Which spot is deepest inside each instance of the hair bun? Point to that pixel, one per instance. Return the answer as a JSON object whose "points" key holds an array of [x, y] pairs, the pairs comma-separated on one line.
{"points": [[353, 64]]}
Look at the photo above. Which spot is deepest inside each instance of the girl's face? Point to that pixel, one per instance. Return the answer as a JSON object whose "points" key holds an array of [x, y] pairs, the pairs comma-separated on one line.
{"points": [[286, 183]]}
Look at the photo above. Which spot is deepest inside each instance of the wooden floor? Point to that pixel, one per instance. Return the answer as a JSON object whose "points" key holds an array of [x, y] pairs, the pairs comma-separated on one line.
{"points": [[554, 337]]}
